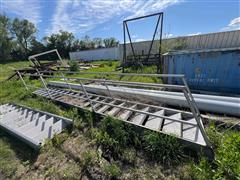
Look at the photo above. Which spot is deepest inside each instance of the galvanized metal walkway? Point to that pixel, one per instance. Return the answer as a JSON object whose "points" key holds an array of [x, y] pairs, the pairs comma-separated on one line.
{"points": [[187, 126], [168, 121], [30, 125]]}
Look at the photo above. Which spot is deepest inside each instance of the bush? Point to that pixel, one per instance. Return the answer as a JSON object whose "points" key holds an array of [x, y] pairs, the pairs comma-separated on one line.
{"points": [[112, 170], [111, 135], [115, 129], [88, 158], [227, 164], [203, 170], [214, 136], [73, 65], [228, 157], [162, 148], [129, 156]]}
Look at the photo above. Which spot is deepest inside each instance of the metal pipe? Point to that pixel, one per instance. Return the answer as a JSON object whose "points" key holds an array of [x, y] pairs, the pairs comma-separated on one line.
{"points": [[208, 103], [120, 74], [40, 54], [156, 107], [155, 31], [124, 47], [20, 76], [160, 48], [86, 94], [134, 55], [126, 83], [43, 82], [143, 17]]}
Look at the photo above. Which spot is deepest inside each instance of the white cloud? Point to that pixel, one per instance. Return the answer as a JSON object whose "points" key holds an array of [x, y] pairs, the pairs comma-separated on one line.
{"points": [[82, 16], [26, 9], [233, 25], [140, 39], [194, 34], [168, 35], [235, 22]]}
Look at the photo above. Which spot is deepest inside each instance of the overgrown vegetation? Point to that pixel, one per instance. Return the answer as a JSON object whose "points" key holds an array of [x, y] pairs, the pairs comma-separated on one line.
{"points": [[115, 137], [163, 148], [226, 164], [74, 66], [108, 148]]}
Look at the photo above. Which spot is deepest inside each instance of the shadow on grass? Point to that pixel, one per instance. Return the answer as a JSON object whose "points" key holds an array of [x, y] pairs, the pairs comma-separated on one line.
{"points": [[22, 151]]}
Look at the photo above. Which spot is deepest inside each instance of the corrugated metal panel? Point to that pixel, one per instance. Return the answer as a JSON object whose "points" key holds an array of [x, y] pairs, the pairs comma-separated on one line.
{"points": [[96, 54], [227, 39], [216, 71]]}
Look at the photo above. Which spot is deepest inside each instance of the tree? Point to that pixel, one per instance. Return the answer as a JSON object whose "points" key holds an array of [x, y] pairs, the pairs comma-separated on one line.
{"points": [[37, 46], [88, 43], [5, 38], [24, 32], [98, 42], [63, 41], [110, 42]]}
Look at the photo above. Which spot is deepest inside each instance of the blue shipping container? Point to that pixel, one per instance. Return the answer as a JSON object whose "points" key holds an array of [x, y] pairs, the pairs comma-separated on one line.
{"points": [[215, 70]]}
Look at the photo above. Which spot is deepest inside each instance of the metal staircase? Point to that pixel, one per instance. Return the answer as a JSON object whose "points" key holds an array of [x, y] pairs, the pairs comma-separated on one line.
{"points": [[29, 125], [184, 125], [168, 121]]}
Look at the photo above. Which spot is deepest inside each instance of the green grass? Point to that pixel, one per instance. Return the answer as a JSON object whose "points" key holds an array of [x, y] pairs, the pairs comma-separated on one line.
{"points": [[8, 165], [110, 135], [226, 164], [6, 69]]}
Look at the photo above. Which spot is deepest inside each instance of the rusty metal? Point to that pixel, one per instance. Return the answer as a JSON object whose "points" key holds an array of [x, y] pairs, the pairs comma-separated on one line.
{"points": [[138, 57]]}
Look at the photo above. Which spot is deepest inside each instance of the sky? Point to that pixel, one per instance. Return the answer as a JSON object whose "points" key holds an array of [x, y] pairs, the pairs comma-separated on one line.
{"points": [[103, 18]]}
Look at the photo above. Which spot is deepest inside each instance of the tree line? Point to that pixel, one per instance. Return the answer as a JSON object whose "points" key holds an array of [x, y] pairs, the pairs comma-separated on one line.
{"points": [[18, 40]]}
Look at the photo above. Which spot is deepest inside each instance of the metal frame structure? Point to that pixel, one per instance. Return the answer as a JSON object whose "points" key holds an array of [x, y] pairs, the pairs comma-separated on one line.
{"points": [[36, 63], [125, 28], [93, 99]]}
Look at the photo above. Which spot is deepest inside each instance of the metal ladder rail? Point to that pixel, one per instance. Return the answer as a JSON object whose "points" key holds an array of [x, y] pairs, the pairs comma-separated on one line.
{"points": [[43, 82], [194, 109], [150, 114], [139, 111], [188, 96], [152, 106]]}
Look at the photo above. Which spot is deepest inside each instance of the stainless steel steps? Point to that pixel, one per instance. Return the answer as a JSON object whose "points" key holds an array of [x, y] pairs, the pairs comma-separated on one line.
{"points": [[181, 124], [30, 125]]}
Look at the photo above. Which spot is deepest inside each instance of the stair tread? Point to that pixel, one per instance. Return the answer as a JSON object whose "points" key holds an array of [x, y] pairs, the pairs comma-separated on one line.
{"points": [[45, 133], [13, 116], [125, 114], [155, 122], [139, 117], [171, 126], [32, 124], [192, 132], [104, 108], [58, 127], [39, 127], [115, 110]]}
